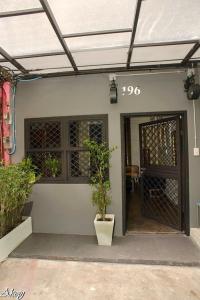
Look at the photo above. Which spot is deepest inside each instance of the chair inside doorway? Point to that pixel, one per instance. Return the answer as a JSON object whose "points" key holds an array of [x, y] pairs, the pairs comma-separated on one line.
{"points": [[152, 174]]}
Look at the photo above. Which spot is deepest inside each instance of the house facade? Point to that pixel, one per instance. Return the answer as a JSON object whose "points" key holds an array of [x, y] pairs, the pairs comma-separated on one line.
{"points": [[65, 207]]}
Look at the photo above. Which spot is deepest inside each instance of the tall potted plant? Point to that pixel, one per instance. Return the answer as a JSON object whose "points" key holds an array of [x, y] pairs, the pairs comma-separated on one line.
{"points": [[16, 181], [99, 180]]}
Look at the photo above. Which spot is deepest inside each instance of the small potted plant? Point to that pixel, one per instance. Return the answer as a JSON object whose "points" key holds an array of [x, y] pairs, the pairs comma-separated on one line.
{"points": [[52, 166], [99, 159]]}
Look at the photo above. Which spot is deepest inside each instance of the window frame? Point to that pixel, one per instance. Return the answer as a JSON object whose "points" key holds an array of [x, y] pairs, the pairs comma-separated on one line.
{"points": [[65, 148]]}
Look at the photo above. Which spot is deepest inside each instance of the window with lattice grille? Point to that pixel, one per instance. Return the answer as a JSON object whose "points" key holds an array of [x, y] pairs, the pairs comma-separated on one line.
{"points": [[56, 146]]}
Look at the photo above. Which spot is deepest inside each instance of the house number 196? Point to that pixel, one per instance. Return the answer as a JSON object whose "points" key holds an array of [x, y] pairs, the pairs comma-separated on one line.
{"points": [[129, 90]]}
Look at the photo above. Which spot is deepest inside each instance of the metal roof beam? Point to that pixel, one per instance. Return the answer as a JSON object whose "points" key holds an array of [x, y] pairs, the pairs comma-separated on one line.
{"points": [[102, 32], [57, 31], [170, 43], [23, 12], [146, 64], [114, 70], [191, 53], [135, 23], [12, 61]]}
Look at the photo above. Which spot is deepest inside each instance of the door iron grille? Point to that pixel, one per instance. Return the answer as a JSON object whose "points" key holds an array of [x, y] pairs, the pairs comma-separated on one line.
{"points": [[159, 144], [161, 199], [160, 166]]}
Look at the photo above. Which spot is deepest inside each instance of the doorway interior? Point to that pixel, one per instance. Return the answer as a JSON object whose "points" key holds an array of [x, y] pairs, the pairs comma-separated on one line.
{"points": [[155, 172]]}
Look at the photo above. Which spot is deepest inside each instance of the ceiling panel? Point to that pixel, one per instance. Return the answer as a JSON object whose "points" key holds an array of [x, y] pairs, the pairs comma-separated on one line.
{"points": [[90, 15], [159, 53], [97, 57], [28, 34], [56, 61], [99, 41], [168, 20], [12, 5]]}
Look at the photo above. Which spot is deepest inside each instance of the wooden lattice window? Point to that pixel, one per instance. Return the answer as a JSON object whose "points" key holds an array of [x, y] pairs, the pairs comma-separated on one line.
{"points": [[61, 140]]}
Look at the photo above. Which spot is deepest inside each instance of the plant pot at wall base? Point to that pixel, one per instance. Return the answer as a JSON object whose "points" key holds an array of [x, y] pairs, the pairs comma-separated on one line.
{"points": [[27, 209], [16, 182], [14, 238], [104, 229]]}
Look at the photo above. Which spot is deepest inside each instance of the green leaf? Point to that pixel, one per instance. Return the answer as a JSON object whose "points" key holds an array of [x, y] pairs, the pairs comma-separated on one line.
{"points": [[16, 181]]}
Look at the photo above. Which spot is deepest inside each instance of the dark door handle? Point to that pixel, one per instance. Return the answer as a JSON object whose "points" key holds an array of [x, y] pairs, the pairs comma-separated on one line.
{"points": [[142, 170]]}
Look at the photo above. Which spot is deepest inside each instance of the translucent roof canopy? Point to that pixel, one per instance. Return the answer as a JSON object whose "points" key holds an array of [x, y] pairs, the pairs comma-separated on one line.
{"points": [[162, 53], [56, 36], [168, 20], [28, 34], [101, 41], [90, 15], [12, 5]]}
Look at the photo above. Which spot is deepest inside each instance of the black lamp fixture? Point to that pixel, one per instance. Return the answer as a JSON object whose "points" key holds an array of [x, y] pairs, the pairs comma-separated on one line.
{"points": [[191, 87], [193, 92], [113, 89]]}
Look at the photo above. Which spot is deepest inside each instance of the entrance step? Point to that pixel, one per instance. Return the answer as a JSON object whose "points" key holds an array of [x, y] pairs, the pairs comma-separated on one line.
{"points": [[156, 249]]}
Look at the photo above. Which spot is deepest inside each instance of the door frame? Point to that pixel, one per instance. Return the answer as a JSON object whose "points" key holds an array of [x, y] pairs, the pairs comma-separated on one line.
{"points": [[184, 165]]}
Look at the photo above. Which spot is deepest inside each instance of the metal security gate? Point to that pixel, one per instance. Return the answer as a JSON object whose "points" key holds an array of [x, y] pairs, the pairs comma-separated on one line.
{"points": [[161, 171]]}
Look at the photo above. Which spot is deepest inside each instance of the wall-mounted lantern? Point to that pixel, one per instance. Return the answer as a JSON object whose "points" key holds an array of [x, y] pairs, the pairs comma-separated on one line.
{"points": [[113, 89]]}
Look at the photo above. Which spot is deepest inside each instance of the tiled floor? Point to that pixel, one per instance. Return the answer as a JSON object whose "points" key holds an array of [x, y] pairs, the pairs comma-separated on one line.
{"points": [[140, 224]]}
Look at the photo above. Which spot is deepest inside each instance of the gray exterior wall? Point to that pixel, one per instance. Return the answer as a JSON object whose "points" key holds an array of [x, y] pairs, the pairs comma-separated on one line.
{"points": [[66, 208]]}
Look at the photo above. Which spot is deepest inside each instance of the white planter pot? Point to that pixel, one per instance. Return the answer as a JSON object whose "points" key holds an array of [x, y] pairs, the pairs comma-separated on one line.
{"points": [[14, 238], [104, 230]]}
